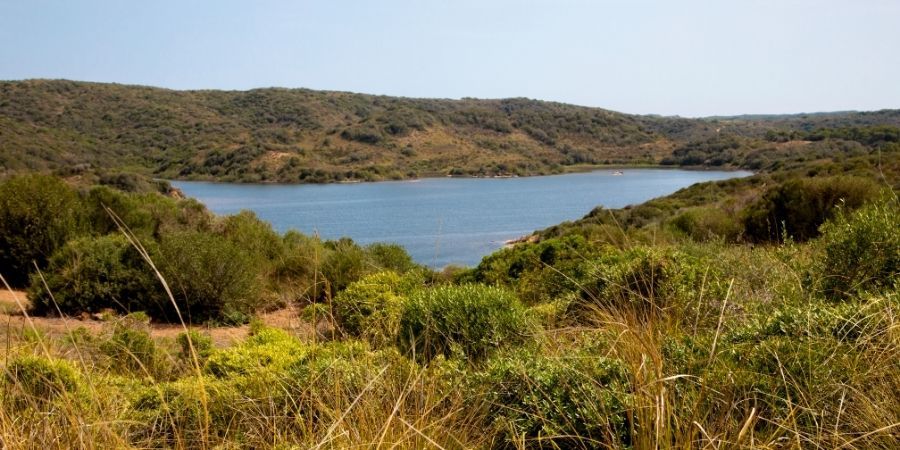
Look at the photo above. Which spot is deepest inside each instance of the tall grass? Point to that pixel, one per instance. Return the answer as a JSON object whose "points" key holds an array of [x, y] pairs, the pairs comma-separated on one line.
{"points": [[709, 346]]}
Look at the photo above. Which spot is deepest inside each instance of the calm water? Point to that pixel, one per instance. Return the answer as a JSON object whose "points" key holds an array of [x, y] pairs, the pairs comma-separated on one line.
{"points": [[443, 221]]}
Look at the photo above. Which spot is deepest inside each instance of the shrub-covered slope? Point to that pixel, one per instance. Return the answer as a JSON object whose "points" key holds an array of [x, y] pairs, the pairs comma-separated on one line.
{"points": [[300, 135]]}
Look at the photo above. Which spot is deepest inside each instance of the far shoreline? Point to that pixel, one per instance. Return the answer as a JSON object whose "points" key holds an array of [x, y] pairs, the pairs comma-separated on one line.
{"points": [[569, 170]]}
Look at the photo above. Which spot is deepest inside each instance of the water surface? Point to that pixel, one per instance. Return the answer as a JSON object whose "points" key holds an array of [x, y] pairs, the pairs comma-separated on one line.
{"points": [[443, 221]]}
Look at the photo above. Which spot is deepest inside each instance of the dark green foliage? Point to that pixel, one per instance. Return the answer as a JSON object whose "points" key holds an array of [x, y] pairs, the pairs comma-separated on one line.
{"points": [[145, 214], [538, 272], [705, 223], [649, 281], [862, 250], [90, 274], [346, 262], [33, 379], [390, 257], [474, 319], [38, 214], [210, 277], [254, 237], [581, 401], [798, 207]]}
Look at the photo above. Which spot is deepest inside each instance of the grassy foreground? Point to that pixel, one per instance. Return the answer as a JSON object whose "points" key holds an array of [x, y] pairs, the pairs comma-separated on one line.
{"points": [[670, 345], [752, 313]]}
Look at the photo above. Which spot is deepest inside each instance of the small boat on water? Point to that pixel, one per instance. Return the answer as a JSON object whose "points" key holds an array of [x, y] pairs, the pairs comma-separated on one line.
{"points": [[617, 172]]}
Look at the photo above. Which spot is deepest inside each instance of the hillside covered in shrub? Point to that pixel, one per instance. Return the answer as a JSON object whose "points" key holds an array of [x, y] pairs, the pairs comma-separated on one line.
{"points": [[306, 136], [758, 312]]}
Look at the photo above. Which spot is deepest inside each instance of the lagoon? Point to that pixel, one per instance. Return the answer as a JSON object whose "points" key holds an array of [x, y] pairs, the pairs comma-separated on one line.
{"points": [[443, 221]]}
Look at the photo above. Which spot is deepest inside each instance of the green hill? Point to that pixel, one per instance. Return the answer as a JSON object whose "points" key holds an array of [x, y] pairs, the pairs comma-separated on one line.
{"points": [[301, 135]]}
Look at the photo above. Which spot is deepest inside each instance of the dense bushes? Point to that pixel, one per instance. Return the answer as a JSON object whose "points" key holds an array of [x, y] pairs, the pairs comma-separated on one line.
{"points": [[90, 274], [472, 319], [578, 401], [38, 214], [370, 308], [862, 250], [346, 262], [220, 269], [705, 223], [649, 281], [798, 207], [210, 277], [539, 272]]}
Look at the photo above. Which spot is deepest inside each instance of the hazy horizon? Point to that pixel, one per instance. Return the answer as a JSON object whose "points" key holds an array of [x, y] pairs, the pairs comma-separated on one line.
{"points": [[691, 59]]}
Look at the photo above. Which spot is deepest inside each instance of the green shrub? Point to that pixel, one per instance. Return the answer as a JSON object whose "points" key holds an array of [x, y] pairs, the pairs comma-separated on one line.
{"points": [[861, 250], [148, 215], [297, 271], [370, 307], [267, 349], [38, 214], [708, 223], [848, 321], [580, 401], [475, 318], [90, 274], [131, 350], [189, 412], [253, 236], [390, 257], [34, 379], [345, 263], [210, 277], [538, 272], [799, 206], [649, 281], [784, 376], [194, 342]]}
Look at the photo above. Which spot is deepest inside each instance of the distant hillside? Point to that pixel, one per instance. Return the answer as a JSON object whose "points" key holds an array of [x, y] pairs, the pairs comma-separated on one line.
{"points": [[300, 135]]}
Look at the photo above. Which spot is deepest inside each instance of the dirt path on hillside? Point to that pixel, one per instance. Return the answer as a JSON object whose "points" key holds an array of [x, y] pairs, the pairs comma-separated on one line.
{"points": [[12, 318]]}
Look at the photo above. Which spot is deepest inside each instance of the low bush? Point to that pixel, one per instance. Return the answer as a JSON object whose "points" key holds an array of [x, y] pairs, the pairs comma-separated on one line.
{"points": [[861, 250], [37, 380], [253, 236], [344, 263], [537, 401], [131, 350], [266, 349], [193, 342], [799, 206], [347, 262], [38, 214], [211, 278], [390, 257], [190, 412], [474, 318], [704, 224], [147, 215], [538, 272], [370, 308], [648, 281], [91, 274]]}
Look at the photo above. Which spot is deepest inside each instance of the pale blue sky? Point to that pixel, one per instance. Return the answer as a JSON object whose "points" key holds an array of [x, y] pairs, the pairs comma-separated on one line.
{"points": [[689, 58]]}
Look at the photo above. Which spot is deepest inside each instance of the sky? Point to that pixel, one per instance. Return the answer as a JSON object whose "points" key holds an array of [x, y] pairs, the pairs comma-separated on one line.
{"points": [[690, 58]]}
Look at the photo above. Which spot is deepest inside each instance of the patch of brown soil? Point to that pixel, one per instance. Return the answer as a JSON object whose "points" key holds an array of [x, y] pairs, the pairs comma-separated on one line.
{"points": [[13, 320]]}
